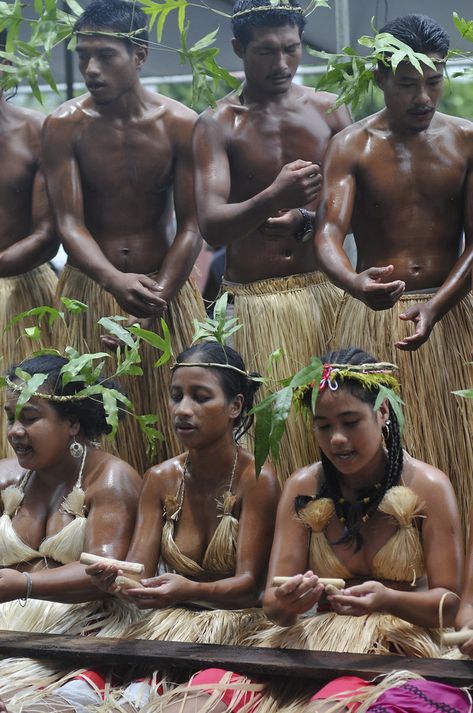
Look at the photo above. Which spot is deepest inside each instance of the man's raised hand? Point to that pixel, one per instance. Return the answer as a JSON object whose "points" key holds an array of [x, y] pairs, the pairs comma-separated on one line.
{"points": [[297, 184]]}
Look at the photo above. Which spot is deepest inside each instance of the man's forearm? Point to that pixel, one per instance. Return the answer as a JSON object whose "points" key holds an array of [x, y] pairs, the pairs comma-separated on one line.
{"points": [[222, 224], [178, 263], [334, 262], [87, 255], [455, 287], [26, 254]]}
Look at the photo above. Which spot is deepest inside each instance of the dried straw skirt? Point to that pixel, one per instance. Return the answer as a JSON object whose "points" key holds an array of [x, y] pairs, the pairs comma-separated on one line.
{"points": [[18, 294], [27, 678], [374, 634], [149, 393], [438, 424], [296, 313]]}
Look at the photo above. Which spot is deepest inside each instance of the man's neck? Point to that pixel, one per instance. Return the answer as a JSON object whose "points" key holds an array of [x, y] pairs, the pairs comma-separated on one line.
{"points": [[253, 96], [130, 105]]}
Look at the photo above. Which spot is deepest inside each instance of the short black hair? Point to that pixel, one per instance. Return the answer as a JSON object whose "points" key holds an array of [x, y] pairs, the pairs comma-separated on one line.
{"points": [[420, 33], [89, 412], [243, 26], [232, 382], [116, 15]]}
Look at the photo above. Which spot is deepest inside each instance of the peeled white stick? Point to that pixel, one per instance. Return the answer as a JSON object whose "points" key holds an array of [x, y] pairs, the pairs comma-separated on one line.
{"points": [[456, 638], [127, 582], [337, 583], [133, 568]]}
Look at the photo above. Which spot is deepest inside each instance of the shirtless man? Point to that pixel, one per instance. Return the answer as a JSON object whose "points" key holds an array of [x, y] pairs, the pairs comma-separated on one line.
{"points": [[27, 239], [115, 160], [403, 179], [258, 178]]}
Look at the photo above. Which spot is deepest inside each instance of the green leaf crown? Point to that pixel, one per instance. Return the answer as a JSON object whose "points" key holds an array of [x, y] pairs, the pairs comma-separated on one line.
{"points": [[89, 369], [272, 412]]}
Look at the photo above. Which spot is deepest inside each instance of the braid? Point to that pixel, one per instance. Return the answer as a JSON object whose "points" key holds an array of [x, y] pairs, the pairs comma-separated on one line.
{"points": [[354, 514]]}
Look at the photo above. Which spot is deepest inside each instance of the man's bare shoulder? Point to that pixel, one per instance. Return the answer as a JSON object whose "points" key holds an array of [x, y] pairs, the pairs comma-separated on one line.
{"points": [[225, 110], [73, 111], [354, 136], [457, 124], [26, 117], [174, 109]]}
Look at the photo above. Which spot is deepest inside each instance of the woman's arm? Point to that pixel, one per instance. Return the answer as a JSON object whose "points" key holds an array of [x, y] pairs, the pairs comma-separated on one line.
{"points": [[111, 501], [441, 541], [290, 556]]}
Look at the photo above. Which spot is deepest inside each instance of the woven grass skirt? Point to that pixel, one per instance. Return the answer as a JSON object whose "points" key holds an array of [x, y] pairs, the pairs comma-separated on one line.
{"points": [[438, 424], [296, 313], [150, 393], [18, 294]]}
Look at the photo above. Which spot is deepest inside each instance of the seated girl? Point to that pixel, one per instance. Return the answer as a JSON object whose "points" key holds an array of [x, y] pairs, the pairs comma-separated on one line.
{"points": [[205, 523], [367, 513], [59, 496]]}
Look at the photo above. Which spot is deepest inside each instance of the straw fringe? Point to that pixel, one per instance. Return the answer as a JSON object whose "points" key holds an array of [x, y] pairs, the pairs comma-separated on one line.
{"points": [[26, 680], [296, 313], [438, 424], [375, 633], [149, 394], [209, 699], [18, 294], [402, 557], [216, 626], [317, 515]]}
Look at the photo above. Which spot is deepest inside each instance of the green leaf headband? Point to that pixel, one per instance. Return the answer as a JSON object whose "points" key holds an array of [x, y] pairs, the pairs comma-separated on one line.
{"points": [[272, 412], [83, 368], [351, 75]]}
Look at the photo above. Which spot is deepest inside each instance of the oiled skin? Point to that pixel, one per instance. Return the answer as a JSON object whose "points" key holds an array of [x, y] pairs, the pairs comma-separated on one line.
{"points": [[115, 161], [242, 151], [27, 238]]}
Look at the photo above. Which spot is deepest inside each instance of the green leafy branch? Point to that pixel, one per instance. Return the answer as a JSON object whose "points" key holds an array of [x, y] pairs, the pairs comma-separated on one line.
{"points": [[219, 328], [30, 60], [352, 76], [272, 412], [90, 369]]}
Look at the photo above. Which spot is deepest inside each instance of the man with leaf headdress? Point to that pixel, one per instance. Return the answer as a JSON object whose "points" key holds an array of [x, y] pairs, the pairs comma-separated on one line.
{"points": [[27, 239], [258, 168], [403, 180], [116, 159]]}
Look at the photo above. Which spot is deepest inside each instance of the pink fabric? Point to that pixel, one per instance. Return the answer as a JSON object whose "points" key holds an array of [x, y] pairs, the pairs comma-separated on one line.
{"points": [[422, 697], [342, 687], [213, 676]]}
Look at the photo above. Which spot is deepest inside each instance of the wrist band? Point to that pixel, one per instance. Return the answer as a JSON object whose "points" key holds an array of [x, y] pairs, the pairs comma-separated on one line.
{"points": [[29, 586]]}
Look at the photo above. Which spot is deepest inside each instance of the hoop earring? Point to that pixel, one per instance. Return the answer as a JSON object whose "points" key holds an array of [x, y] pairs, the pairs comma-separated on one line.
{"points": [[385, 431], [76, 449]]}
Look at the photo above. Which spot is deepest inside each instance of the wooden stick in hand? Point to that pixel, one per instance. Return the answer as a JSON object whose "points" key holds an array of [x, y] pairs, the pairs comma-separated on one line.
{"points": [[135, 569], [327, 582]]}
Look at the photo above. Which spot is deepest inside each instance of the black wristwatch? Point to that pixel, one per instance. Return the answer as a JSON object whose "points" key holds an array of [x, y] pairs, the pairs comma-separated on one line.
{"points": [[306, 233]]}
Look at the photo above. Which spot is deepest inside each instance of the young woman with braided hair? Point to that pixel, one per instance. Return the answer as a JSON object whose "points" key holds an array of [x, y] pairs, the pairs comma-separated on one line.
{"points": [[367, 513]]}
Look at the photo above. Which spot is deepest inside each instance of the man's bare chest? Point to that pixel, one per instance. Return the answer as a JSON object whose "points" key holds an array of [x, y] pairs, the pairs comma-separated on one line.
{"points": [[258, 149], [137, 158]]}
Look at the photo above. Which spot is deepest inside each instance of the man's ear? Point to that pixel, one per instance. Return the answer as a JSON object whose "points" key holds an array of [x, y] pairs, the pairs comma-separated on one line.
{"points": [[238, 48], [379, 78], [141, 55]]}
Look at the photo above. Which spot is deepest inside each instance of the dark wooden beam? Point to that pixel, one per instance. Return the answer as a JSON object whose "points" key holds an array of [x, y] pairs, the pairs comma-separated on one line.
{"points": [[293, 663]]}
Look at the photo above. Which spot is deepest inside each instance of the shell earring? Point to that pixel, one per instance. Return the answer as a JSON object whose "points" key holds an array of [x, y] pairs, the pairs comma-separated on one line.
{"points": [[76, 449]]}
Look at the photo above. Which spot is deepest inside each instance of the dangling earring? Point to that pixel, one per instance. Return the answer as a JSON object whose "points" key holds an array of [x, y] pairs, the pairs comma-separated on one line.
{"points": [[76, 449], [385, 431]]}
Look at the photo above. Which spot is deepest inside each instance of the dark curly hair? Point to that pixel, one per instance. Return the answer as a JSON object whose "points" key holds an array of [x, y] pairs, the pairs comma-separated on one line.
{"points": [[118, 16], [243, 26], [89, 412], [353, 514], [231, 381]]}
